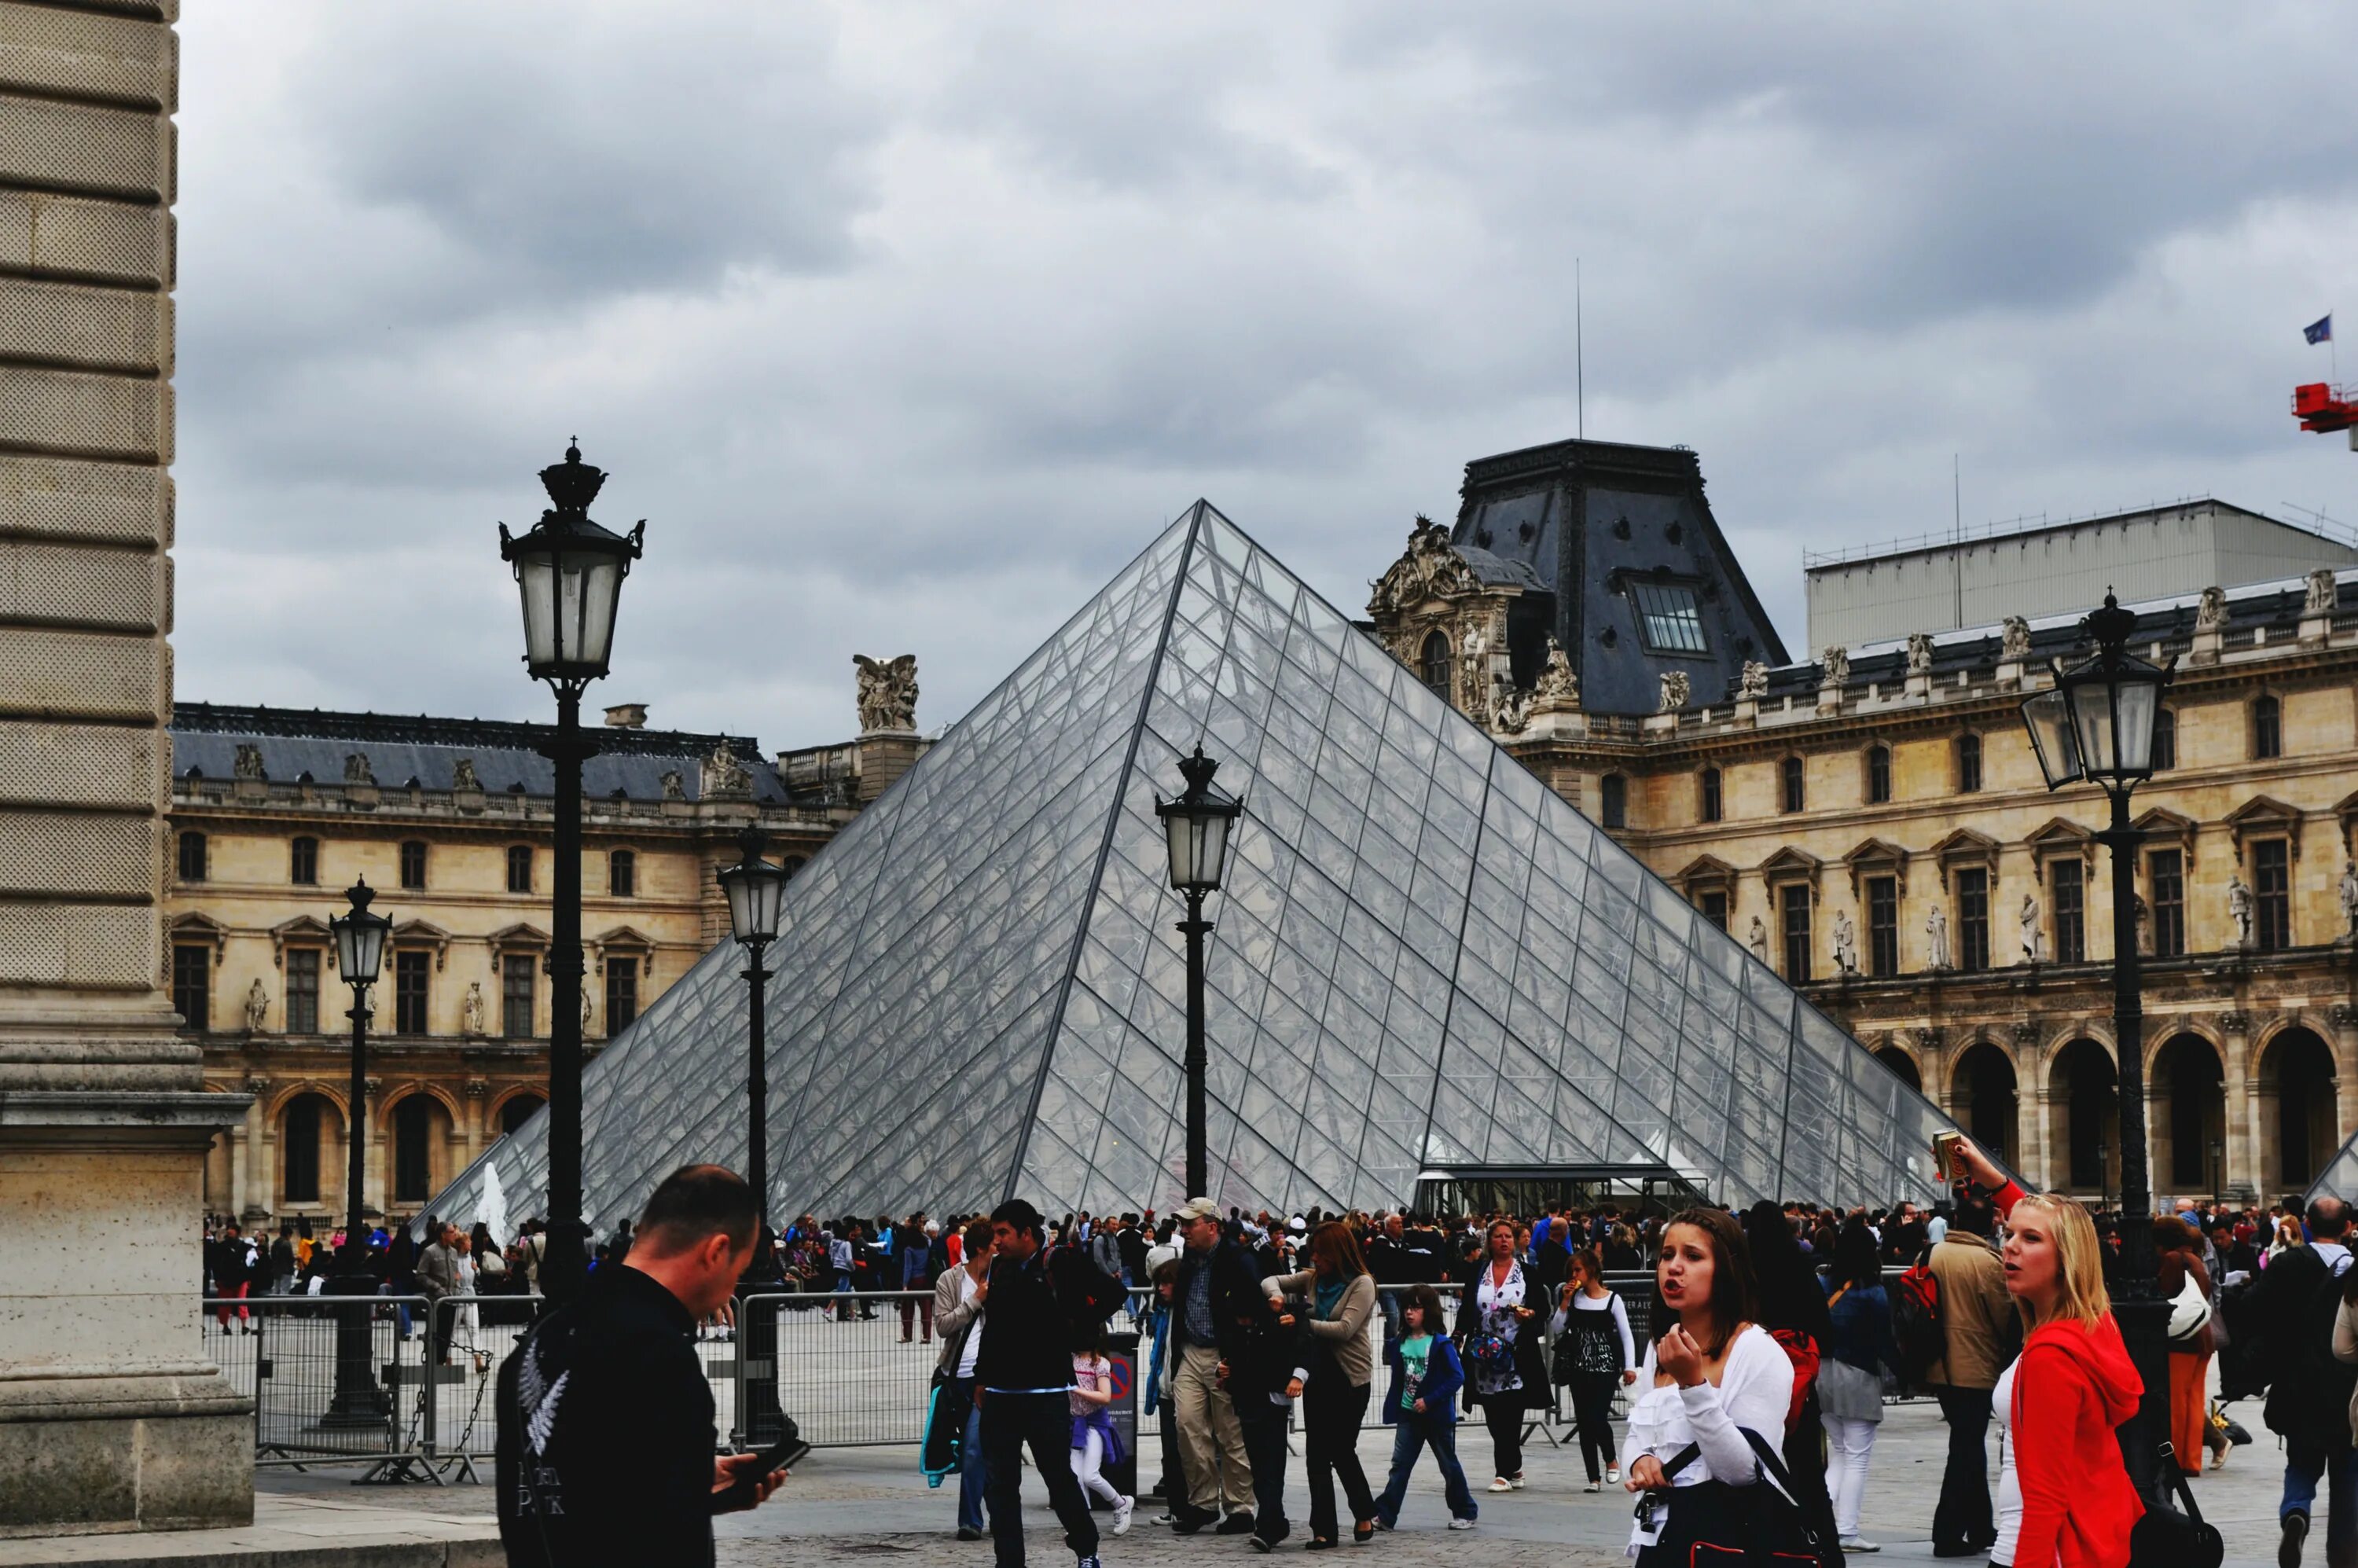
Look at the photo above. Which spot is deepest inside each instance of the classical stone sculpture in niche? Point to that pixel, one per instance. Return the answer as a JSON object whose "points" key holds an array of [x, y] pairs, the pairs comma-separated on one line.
{"points": [[1846, 944], [724, 775], [1676, 692], [249, 762], [2034, 936], [462, 774], [888, 692], [1753, 684], [471, 1009], [257, 1007], [2324, 591], [585, 1009], [1919, 653], [2348, 891], [2144, 918], [2014, 639], [2239, 907], [1837, 660], [1474, 687], [1758, 939], [356, 769], [1429, 569], [1514, 709], [2210, 611], [1936, 937]]}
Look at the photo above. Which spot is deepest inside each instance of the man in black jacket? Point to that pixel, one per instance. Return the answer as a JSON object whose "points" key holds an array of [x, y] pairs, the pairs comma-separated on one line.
{"points": [[1218, 1294], [1023, 1375], [606, 1435], [2298, 1295]]}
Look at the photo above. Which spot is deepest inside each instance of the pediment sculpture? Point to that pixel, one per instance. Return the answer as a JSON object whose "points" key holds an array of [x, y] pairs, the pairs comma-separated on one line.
{"points": [[888, 692], [1429, 569]]}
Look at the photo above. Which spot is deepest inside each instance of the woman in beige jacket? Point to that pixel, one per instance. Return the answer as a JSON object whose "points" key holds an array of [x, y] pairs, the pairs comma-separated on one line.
{"points": [[1342, 1297]]}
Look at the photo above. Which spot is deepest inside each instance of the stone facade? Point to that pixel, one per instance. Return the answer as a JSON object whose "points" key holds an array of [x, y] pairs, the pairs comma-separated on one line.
{"points": [[112, 1418], [1873, 825], [451, 821]]}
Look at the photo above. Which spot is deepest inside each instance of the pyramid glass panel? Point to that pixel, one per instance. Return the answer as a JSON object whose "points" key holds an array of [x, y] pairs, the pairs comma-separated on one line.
{"points": [[1423, 959]]}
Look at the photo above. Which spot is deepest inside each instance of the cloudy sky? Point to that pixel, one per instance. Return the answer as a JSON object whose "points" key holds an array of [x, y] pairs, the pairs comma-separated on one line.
{"points": [[905, 326]]}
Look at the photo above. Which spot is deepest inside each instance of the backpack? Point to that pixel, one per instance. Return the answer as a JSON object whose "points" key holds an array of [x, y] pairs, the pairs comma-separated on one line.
{"points": [[1917, 1327]]}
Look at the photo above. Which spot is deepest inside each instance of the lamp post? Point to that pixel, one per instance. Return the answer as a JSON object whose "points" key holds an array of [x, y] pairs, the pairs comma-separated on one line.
{"points": [[1195, 829], [360, 956], [757, 891], [2096, 725], [569, 573]]}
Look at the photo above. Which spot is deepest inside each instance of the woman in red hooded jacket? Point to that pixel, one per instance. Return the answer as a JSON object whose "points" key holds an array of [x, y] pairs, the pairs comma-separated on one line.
{"points": [[2072, 1385]]}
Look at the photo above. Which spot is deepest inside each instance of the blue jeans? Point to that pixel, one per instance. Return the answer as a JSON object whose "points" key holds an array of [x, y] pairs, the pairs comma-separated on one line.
{"points": [[1413, 1434], [972, 1473], [2305, 1465]]}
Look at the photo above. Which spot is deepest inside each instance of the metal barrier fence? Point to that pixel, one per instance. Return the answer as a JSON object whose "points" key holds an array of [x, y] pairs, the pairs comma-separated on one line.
{"points": [[416, 1400]]}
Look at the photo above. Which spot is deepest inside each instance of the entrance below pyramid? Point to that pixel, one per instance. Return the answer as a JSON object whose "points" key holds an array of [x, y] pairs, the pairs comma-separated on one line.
{"points": [[1526, 1190]]}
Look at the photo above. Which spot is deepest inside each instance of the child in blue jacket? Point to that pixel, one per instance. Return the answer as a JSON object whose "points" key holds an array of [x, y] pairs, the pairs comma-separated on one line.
{"points": [[1421, 1405]]}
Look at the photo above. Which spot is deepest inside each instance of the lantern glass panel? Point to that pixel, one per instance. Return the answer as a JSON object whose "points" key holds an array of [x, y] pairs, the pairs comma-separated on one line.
{"points": [[2048, 719], [359, 947], [2092, 724], [2138, 702]]}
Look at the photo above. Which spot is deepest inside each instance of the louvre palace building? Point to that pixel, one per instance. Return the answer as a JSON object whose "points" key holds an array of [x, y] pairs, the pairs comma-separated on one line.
{"points": [[1868, 818]]}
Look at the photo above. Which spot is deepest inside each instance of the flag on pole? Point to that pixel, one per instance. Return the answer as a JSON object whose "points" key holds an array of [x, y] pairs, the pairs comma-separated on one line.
{"points": [[2320, 330]]}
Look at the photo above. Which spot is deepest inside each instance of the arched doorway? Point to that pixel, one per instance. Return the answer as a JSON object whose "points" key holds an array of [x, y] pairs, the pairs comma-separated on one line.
{"points": [[2297, 1108], [2189, 1117], [1901, 1063], [2083, 1126], [1981, 1098], [419, 1138], [310, 1152], [517, 1110]]}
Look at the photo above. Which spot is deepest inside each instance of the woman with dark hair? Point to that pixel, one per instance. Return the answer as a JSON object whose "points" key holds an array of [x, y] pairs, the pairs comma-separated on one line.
{"points": [[1850, 1374], [1342, 1295], [1711, 1375], [1497, 1337], [1597, 1355], [2189, 1354]]}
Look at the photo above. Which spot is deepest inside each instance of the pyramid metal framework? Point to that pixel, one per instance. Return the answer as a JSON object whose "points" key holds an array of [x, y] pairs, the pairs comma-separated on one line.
{"points": [[1423, 957], [2340, 1179]]}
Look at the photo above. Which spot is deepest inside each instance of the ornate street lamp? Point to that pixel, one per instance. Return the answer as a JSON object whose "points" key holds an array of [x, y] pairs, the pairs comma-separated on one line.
{"points": [[2095, 726], [569, 572], [359, 957], [757, 892], [1195, 829]]}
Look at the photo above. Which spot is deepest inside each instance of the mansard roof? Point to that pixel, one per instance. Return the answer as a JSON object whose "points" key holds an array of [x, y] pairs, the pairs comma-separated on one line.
{"points": [[399, 747]]}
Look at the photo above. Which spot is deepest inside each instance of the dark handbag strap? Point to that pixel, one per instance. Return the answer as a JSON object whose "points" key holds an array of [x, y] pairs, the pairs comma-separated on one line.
{"points": [[1771, 1466], [2170, 1467]]}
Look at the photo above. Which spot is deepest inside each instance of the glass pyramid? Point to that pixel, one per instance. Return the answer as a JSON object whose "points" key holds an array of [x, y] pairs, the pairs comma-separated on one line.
{"points": [[1423, 957], [2340, 1179]]}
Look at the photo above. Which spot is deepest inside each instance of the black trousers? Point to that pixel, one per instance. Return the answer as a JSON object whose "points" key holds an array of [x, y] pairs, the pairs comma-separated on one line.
{"points": [[1591, 1408], [1044, 1422], [1332, 1408], [1504, 1416], [1963, 1518], [1264, 1432]]}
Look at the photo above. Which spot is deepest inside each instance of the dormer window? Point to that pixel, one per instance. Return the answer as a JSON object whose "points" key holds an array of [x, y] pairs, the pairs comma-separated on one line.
{"points": [[1669, 619], [1435, 664]]}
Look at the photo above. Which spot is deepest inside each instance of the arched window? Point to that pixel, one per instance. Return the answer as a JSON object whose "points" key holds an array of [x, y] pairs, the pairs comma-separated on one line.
{"points": [[192, 856], [2164, 740], [622, 874], [519, 868], [516, 1112], [2267, 728], [1435, 663], [1793, 792], [1969, 764], [1709, 808], [1613, 800], [304, 870], [1879, 775]]}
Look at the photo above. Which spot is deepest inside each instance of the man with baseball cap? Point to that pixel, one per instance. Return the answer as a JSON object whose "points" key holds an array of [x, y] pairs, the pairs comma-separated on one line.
{"points": [[1217, 1292]]}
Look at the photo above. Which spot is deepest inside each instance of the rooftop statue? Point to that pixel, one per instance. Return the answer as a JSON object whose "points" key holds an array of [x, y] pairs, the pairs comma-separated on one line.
{"points": [[888, 692]]}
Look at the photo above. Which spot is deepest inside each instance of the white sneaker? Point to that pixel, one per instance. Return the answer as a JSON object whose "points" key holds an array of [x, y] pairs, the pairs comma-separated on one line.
{"points": [[1122, 1512], [1501, 1484], [1461, 1524], [1854, 1543], [1613, 1475], [1594, 1486], [1516, 1480]]}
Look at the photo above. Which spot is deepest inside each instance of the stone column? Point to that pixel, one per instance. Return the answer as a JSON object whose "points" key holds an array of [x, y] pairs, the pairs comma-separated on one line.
{"points": [[2344, 1034], [2242, 1134], [112, 1415]]}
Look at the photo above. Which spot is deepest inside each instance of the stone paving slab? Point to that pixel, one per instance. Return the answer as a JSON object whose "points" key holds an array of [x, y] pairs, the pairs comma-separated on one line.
{"points": [[309, 1529]]}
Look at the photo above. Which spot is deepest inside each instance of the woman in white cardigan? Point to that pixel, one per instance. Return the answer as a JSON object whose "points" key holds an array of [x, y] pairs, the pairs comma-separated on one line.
{"points": [[1711, 1375]]}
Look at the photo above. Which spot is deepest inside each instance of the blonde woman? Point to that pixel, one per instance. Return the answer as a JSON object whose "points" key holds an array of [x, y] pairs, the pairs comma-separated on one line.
{"points": [[2065, 1496]]}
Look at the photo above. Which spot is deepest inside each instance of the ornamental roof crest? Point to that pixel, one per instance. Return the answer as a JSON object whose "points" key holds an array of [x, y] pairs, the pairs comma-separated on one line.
{"points": [[1429, 569]]}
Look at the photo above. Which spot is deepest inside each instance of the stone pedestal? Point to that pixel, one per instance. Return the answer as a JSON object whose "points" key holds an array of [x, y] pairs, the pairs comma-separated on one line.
{"points": [[884, 756]]}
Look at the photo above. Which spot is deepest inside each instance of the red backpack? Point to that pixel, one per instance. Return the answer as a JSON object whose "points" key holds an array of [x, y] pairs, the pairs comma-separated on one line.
{"points": [[1917, 1326]]}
